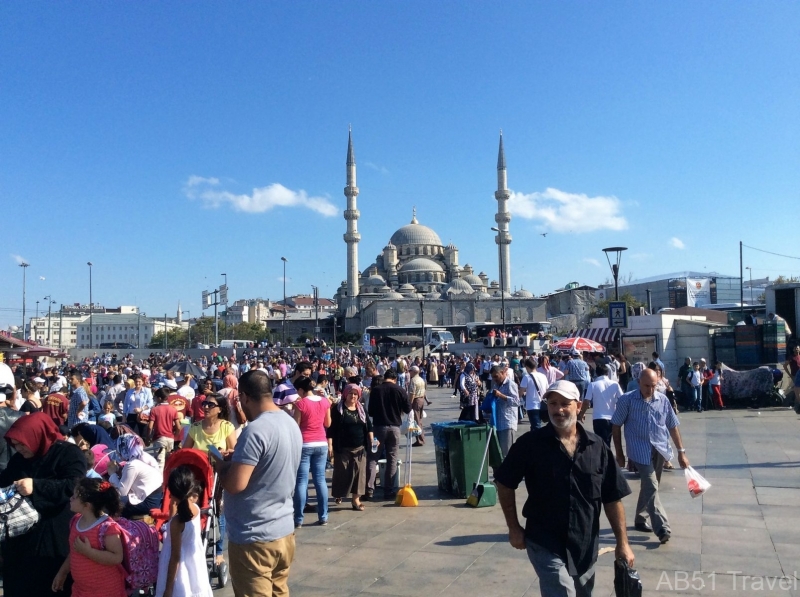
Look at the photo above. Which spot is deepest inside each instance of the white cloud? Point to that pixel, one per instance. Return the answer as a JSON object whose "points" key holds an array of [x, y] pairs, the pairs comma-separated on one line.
{"points": [[640, 256], [569, 212], [377, 168], [591, 261], [41, 277], [259, 201], [19, 259], [676, 243]]}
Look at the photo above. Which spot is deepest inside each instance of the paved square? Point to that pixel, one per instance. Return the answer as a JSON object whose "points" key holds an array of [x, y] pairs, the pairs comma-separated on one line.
{"points": [[741, 538]]}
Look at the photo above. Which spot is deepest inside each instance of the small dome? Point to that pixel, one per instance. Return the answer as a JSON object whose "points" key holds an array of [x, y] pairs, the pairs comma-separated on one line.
{"points": [[496, 294], [421, 264], [450, 246], [407, 288], [390, 246], [459, 286], [483, 295], [522, 293], [473, 280], [375, 280], [391, 294], [433, 296]]}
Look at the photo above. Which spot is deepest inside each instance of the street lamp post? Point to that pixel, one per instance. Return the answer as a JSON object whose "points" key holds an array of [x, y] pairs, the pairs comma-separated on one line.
{"points": [[91, 307], [284, 300], [502, 281], [749, 269], [422, 323], [615, 272], [24, 265], [50, 302]]}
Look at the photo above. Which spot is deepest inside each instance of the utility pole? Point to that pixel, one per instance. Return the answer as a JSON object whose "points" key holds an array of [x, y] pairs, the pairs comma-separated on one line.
{"points": [[502, 280], [166, 347], [284, 301], [422, 320], [316, 309], [61, 327], [741, 284], [24, 265], [91, 309]]}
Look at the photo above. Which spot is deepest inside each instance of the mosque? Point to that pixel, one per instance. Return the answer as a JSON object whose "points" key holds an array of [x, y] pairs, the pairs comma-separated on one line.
{"points": [[415, 266]]}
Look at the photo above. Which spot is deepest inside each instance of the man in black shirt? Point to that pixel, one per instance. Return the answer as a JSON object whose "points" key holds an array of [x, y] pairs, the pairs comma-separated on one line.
{"points": [[569, 472], [387, 405]]}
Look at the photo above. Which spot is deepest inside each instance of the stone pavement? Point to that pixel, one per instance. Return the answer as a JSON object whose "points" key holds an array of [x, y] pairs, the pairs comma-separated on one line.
{"points": [[741, 538]]}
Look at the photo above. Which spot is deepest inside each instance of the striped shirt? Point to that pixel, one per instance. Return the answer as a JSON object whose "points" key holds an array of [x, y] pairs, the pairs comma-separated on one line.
{"points": [[647, 425]]}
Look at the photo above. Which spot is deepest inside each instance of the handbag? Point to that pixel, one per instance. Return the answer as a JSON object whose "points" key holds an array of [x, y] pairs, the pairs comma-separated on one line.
{"points": [[17, 514], [626, 580]]}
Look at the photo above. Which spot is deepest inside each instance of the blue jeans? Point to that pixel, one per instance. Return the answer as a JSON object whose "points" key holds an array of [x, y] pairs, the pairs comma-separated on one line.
{"points": [[220, 546], [535, 417], [313, 460], [697, 398]]}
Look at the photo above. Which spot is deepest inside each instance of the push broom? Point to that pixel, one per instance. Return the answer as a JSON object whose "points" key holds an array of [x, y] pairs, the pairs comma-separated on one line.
{"points": [[478, 488], [406, 496]]}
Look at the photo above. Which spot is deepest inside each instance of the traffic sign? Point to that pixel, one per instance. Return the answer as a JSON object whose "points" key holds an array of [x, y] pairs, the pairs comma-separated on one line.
{"points": [[617, 314], [223, 294], [206, 300]]}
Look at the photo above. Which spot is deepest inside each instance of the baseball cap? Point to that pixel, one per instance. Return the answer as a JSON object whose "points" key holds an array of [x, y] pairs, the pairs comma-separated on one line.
{"points": [[38, 380], [564, 388]]}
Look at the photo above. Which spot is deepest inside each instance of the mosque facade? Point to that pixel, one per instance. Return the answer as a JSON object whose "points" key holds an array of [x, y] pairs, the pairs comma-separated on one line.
{"points": [[415, 273]]}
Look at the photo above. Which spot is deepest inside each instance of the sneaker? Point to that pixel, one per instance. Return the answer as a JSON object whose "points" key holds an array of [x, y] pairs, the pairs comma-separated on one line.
{"points": [[664, 537], [322, 523], [298, 525], [643, 527]]}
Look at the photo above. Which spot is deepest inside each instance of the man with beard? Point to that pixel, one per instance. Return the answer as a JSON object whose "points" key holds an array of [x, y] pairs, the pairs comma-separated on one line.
{"points": [[569, 473]]}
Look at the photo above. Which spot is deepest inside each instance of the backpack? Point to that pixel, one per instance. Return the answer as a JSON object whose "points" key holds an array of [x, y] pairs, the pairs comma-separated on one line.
{"points": [[140, 552]]}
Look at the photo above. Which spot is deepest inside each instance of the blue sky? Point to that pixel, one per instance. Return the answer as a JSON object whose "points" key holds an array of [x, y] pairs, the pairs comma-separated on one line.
{"points": [[170, 142]]}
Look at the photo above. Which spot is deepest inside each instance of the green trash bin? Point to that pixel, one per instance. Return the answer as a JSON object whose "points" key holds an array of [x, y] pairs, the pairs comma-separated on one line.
{"points": [[440, 432], [466, 446]]}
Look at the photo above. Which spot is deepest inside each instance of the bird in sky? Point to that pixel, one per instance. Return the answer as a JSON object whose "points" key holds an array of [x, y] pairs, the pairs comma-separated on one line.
{"points": [[543, 233]]}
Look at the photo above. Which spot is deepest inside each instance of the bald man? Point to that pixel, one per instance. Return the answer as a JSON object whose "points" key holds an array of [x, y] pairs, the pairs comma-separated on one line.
{"points": [[649, 424]]}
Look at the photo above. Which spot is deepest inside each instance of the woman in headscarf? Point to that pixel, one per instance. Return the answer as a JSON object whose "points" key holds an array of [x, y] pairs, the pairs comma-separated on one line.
{"points": [[230, 391], [92, 435], [551, 373], [45, 469], [139, 483], [349, 438], [468, 385], [636, 371]]}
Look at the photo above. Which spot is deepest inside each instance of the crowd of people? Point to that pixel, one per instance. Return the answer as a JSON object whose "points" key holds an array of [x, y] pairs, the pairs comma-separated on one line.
{"points": [[87, 442]]}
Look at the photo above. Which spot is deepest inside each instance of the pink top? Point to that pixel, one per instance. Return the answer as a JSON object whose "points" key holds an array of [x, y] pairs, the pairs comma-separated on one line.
{"points": [[89, 577], [313, 409]]}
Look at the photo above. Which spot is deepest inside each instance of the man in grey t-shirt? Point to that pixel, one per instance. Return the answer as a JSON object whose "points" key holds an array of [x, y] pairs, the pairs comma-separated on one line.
{"points": [[259, 481]]}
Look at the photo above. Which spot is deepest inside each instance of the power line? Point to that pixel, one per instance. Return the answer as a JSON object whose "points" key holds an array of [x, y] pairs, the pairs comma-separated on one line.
{"points": [[771, 253]]}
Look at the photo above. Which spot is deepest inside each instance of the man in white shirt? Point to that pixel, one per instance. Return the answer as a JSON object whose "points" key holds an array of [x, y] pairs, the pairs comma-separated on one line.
{"points": [[602, 394], [532, 387]]}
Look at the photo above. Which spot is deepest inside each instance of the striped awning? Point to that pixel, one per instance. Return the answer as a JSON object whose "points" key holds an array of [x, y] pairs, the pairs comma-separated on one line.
{"points": [[597, 334]]}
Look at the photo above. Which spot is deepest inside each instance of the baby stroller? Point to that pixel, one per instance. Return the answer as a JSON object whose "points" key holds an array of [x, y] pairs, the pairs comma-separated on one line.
{"points": [[209, 514]]}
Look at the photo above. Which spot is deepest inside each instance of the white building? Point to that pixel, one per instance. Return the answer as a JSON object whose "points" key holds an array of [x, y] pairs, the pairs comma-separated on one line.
{"points": [[124, 328]]}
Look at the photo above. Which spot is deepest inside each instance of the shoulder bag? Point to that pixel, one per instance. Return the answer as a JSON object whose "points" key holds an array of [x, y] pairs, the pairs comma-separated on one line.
{"points": [[17, 514]]}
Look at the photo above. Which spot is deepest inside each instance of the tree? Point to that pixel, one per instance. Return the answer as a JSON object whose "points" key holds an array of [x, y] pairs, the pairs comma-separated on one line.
{"points": [[786, 280], [177, 338], [600, 309]]}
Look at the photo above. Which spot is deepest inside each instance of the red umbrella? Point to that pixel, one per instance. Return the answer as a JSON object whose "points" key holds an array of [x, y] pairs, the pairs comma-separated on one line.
{"points": [[579, 344]]}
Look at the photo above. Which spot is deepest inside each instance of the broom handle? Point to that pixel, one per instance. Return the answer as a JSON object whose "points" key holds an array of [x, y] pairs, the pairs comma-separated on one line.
{"points": [[485, 453]]}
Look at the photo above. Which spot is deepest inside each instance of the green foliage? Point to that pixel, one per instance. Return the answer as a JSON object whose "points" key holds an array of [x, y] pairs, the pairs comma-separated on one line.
{"points": [[786, 280], [601, 308]]}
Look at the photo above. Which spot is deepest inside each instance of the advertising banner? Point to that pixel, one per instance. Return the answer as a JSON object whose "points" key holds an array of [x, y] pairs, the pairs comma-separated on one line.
{"points": [[698, 292], [639, 348]]}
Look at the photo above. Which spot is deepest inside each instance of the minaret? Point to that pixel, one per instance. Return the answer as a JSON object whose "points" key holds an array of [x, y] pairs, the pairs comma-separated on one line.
{"points": [[503, 217], [180, 313], [351, 214]]}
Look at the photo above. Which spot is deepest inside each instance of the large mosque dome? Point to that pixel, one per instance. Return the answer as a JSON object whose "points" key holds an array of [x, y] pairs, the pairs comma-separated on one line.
{"points": [[415, 234]]}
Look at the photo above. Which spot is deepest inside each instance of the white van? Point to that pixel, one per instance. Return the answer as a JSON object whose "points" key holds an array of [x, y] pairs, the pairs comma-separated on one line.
{"points": [[234, 343]]}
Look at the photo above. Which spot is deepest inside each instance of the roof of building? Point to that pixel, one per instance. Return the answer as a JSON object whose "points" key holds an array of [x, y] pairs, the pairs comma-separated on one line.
{"points": [[459, 286], [421, 264], [415, 234], [686, 274], [473, 280]]}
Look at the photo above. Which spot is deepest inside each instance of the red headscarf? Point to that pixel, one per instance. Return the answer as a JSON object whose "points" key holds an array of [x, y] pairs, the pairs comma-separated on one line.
{"points": [[36, 431]]}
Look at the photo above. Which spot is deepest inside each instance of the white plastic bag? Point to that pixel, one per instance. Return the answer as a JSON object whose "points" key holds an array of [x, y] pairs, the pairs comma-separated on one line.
{"points": [[697, 484], [410, 426]]}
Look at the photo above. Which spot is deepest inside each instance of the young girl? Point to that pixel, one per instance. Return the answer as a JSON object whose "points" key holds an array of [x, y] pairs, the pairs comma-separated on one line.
{"points": [[95, 571], [182, 568]]}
